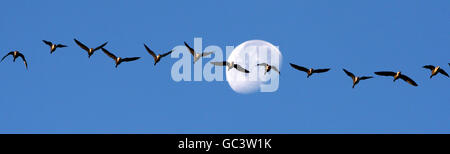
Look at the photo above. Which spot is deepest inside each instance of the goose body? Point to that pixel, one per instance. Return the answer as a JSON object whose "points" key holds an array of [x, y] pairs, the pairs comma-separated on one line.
{"points": [[15, 55], [231, 65], [158, 57], [118, 60], [90, 51], [397, 75], [197, 56], [53, 46], [356, 79], [309, 71], [268, 68], [435, 70]]}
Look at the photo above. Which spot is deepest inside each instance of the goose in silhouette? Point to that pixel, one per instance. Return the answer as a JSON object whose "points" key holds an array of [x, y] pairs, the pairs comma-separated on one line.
{"points": [[231, 65], [269, 67], [197, 56], [396, 76], [16, 54], [119, 60], [435, 70], [156, 57], [53, 46], [90, 51], [310, 71], [356, 79]]}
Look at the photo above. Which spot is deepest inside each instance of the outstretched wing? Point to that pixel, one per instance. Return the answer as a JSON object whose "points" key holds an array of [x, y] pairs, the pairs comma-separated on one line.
{"points": [[168, 53], [276, 69], [240, 68], [23, 58], [430, 67], [190, 49], [100, 47], [262, 64], [81, 45], [409, 80], [61, 46], [321, 70], [150, 51], [299, 67], [130, 59], [443, 72], [224, 63], [10, 53], [109, 54], [206, 53], [385, 73], [47, 42], [365, 77], [350, 74]]}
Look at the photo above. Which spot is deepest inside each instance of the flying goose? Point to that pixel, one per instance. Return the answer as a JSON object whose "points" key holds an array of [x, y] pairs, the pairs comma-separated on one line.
{"points": [[310, 71], [356, 79], [435, 70], [396, 76], [119, 60], [16, 54], [230, 66], [197, 56], [53, 46], [269, 67], [156, 57], [89, 50]]}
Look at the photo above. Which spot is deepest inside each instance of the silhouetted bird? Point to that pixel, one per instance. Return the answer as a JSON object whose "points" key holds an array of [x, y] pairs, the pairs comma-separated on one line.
{"points": [[16, 54], [156, 57], [89, 50], [396, 76], [310, 71], [435, 70], [197, 56], [230, 66], [119, 60], [53, 46], [269, 67], [356, 79]]}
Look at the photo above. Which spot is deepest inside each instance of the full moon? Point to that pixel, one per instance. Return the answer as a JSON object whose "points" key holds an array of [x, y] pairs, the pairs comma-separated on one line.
{"points": [[248, 55]]}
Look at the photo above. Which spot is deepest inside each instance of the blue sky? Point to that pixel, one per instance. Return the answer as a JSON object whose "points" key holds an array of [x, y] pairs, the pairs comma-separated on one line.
{"points": [[68, 93]]}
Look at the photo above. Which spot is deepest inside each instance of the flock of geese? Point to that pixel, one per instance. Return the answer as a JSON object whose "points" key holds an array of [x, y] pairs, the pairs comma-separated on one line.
{"points": [[357, 79], [230, 65]]}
